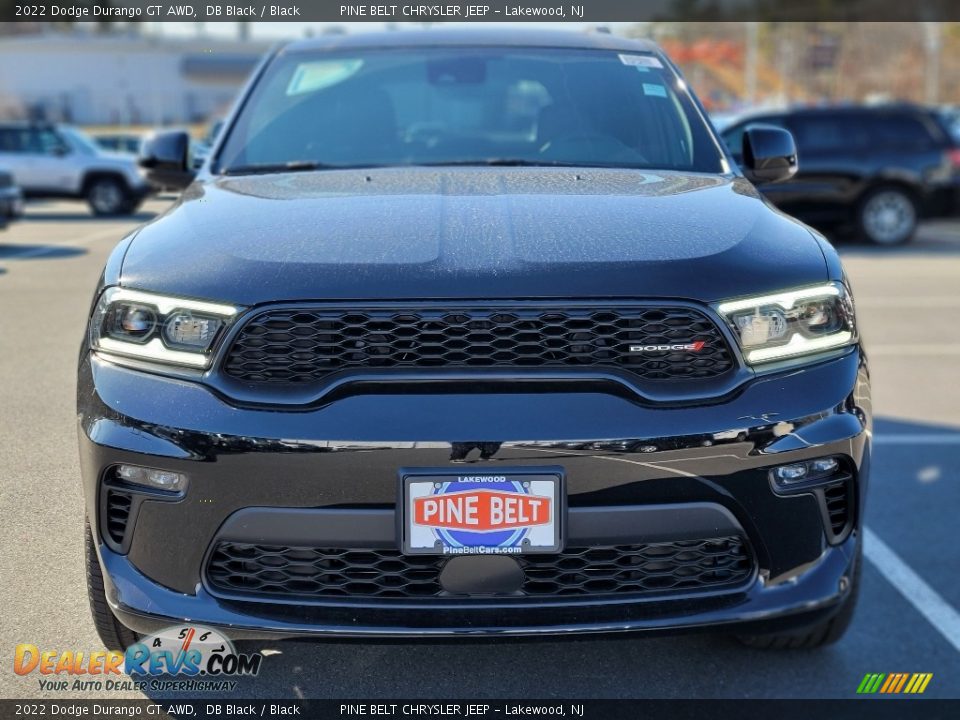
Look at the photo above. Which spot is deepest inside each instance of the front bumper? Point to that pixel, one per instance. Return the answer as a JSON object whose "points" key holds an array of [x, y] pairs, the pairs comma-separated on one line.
{"points": [[668, 473], [11, 204]]}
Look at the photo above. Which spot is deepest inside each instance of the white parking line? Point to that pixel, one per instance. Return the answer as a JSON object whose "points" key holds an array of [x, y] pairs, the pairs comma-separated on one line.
{"points": [[928, 602]]}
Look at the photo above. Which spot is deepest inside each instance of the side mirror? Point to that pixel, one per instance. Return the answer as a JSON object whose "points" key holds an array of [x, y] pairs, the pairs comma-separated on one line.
{"points": [[166, 158], [60, 151], [769, 154]]}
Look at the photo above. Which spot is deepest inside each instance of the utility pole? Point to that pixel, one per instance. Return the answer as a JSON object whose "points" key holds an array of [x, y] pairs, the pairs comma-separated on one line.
{"points": [[750, 63], [932, 42]]}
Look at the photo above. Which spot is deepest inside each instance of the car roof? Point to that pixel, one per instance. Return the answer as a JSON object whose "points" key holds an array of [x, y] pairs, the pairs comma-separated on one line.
{"points": [[26, 125], [882, 109], [473, 37]]}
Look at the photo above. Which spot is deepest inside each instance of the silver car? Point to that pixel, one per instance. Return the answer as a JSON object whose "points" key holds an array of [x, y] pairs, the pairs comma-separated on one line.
{"points": [[11, 199], [60, 161]]}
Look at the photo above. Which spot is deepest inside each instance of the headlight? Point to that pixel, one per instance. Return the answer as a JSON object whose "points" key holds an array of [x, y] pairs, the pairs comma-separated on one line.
{"points": [[136, 324], [792, 323]]}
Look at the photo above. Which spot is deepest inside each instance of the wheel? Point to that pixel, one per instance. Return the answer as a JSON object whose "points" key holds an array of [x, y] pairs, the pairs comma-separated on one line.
{"points": [[825, 633], [108, 196], [113, 634], [887, 215]]}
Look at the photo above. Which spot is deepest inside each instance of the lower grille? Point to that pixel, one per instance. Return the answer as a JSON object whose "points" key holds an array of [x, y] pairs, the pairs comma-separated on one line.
{"points": [[118, 514], [332, 574]]}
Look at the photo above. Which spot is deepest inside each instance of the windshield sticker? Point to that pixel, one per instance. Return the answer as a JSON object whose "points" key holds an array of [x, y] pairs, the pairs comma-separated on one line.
{"points": [[319, 74], [641, 61], [654, 89]]}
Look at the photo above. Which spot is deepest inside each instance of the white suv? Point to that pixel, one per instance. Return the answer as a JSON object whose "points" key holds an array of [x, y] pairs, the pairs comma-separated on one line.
{"points": [[60, 161]]}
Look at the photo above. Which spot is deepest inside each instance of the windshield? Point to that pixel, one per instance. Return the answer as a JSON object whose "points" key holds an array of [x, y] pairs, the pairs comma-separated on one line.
{"points": [[80, 141], [437, 106]]}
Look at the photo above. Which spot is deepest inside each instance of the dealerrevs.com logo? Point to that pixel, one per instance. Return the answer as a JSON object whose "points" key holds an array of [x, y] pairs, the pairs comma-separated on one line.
{"points": [[182, 658]]}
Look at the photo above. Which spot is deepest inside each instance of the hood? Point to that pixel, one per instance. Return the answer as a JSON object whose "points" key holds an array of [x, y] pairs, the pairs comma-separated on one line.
{"points": [[121, 158], [471, 233], [120, 162]]}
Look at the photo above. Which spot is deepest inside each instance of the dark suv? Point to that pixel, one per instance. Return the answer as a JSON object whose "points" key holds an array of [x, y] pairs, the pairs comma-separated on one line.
{"points": [[877, 170], [473, 333]]}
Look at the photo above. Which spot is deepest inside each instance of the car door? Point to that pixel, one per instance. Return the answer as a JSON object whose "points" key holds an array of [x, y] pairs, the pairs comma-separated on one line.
{"points": [[13, 156], [52, 169], [832, 154]]}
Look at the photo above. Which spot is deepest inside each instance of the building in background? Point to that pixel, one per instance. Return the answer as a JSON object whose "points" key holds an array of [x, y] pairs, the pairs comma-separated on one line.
{"points": [[121, 78]]}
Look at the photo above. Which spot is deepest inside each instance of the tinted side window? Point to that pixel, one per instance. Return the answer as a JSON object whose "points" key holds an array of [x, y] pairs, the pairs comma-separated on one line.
{"points": [[44, 142], [906, 132], [12, 140], [733, 138], [828, 133]]}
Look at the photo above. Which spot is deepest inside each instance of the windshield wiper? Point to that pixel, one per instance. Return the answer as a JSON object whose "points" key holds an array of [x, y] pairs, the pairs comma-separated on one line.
{"points": [[292, 166], [308, 165]]}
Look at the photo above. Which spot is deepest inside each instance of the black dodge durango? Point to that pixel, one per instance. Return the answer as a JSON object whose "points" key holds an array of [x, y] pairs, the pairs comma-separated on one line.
{"points": [[470, 333]]}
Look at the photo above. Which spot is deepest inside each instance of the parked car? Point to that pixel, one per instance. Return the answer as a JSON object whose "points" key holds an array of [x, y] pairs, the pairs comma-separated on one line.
{"points": [[950, 116], [201, 148], [879, 170], [128, 143], [62, 162], [473, 333], [11, 199]]}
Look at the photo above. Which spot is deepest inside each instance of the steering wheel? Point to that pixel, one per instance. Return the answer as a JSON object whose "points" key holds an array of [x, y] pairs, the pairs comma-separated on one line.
{"points": [[607, 145]]}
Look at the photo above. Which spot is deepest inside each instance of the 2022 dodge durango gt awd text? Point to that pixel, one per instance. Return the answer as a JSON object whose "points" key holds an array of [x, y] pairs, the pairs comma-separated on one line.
{"points": [[473, 334]]}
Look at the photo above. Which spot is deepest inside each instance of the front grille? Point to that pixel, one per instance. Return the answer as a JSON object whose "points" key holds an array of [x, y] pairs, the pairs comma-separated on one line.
{"points": [[306, 345], [118, 514], [330, 574]]}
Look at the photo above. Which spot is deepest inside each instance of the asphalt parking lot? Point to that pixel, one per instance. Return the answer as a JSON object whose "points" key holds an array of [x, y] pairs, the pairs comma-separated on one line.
{"points": [[908, 301]]}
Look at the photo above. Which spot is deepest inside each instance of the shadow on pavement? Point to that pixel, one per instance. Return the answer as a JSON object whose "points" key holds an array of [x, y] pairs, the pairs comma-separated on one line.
{"points": [[887, 427], [38, 252], [57, 217]]}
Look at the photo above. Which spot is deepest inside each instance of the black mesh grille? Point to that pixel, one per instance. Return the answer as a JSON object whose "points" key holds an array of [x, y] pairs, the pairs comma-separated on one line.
{"points": [[301, 346], [118, 514], [322, 573]]}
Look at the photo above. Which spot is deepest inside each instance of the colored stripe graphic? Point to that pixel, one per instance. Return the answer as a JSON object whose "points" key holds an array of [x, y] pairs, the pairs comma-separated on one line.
{"points": [[903, 681], [870, 683], [894, 683]]}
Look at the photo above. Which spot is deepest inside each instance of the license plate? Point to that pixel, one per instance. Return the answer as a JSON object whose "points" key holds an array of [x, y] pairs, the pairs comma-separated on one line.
{"points": [[481, 513]]}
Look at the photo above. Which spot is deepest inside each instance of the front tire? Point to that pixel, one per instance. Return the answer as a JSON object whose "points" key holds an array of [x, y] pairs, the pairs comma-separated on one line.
{"points": [[820, 635], [113, 634], [887, 215], [109, 196]]}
